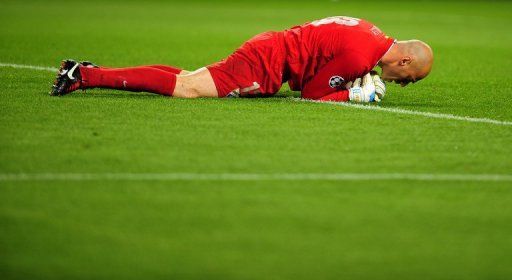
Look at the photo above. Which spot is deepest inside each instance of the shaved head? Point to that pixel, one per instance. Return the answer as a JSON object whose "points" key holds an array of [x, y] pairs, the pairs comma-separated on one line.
{"points": [[422, 55], [407, 61]]}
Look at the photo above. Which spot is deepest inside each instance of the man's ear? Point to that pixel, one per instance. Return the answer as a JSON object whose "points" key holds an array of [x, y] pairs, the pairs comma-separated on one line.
{"points": [[405, 61]]}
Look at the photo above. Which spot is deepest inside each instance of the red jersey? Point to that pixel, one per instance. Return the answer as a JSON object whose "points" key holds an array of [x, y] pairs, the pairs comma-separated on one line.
{"points": [[323, 55], [316, 58]]}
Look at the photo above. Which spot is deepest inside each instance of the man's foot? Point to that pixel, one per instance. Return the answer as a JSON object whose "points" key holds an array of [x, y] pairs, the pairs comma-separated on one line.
{"points": [[68, 79], [88, 64]]}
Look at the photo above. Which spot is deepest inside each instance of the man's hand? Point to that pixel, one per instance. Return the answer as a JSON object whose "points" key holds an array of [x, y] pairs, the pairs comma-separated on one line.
{"points": [[380, 87], [372, 85], [363, 93]]}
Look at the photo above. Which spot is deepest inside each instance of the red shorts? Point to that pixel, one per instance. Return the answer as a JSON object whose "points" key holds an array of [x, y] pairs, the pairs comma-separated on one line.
{"points": [[256, 68]]}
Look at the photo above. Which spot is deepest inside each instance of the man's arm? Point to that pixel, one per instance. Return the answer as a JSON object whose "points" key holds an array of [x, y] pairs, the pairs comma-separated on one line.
{"points": [[369, 88], [329, 82], [337, 96]]}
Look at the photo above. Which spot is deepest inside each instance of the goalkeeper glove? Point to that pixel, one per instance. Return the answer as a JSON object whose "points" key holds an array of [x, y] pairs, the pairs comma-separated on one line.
{"points": [[362, 93], [380, 87]]}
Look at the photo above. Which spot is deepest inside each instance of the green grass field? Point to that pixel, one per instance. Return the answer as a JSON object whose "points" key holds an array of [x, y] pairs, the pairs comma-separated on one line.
{"points": [[210, 228]]}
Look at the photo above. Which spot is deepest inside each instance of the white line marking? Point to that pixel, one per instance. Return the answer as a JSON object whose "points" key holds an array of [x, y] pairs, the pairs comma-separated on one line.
{"points": [[20, 66], [351, 105], [408, 112], [251, 177]]}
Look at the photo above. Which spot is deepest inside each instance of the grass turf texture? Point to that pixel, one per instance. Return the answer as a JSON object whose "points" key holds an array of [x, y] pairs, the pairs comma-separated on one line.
{"points": [[251, 230]]}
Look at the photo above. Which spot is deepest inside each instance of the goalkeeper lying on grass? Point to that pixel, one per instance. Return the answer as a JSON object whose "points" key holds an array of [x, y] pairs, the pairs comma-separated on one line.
{"points": [[319, 58]]}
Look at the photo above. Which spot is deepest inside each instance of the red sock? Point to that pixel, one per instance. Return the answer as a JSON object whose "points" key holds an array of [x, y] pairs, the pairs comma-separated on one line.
{"points": [[167, 68], [131, 79]]}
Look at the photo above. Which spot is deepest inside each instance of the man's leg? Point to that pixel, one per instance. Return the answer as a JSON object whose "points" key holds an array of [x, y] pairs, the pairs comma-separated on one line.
{"points": [[151, 79], [166, 68], [130, 79], [195, 84], [73, 75], [170, 69]]}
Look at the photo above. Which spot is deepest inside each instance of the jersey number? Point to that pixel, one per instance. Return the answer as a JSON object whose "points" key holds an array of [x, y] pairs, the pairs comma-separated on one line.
{"points": [[348, 21]]}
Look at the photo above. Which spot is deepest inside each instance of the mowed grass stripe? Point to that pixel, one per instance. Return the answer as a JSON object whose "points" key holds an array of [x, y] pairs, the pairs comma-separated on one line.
{"points": [[277, 229], [411, 112], [252, 177], [351, 105]]}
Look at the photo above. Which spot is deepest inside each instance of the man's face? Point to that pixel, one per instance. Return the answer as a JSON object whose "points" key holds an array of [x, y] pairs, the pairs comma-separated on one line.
{"points": [[402, 75]]}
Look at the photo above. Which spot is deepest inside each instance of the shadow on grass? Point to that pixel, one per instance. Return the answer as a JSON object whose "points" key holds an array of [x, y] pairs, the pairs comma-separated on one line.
{"points": [[105, 93], [279, 97]]}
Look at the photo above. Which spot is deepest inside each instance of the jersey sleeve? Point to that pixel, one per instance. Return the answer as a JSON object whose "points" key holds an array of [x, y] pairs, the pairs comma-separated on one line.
{"points": [[332, 77], [337, 96]]}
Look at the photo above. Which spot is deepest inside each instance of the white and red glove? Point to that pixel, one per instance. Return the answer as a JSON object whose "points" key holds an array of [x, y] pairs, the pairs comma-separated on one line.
{"points": [[368, 89], [362, 92], [380, 87]]}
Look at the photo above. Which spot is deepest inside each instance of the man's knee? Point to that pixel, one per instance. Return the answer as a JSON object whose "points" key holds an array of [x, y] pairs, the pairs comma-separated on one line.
{"points": [[191, 93], [185, 89], [197, 84]]}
